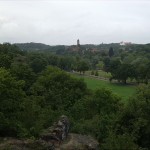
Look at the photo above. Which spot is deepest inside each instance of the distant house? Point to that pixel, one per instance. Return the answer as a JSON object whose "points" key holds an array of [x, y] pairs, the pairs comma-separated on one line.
{"points": [[125, 43], [94, 50], [78, 42], [73, 48]]}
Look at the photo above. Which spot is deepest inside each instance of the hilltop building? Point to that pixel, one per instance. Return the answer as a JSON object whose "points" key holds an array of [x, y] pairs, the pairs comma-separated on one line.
{"points": [[125, 43], [78, 42]]}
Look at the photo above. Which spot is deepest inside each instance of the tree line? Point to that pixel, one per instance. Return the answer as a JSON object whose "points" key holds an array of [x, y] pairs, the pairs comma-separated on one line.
{"points": [[131, 66]]}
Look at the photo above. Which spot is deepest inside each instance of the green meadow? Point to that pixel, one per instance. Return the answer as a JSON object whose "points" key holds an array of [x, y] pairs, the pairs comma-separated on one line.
{"points": [[124, 91]]}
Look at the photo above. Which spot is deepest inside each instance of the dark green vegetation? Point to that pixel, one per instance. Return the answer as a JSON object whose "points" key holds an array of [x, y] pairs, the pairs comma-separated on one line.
{"points": [[39, 46], [35, 90]]}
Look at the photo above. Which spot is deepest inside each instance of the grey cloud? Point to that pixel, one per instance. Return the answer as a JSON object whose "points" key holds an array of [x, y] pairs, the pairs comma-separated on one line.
{"points": [[63, 21]]}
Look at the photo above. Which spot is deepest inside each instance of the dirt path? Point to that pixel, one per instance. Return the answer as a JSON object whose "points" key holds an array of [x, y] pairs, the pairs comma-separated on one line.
{"points": [[78, 142], [100, 78], [90, 76]]}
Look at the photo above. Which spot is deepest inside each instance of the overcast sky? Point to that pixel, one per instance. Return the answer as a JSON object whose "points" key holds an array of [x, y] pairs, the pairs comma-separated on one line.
{"points": [[64, 21]]}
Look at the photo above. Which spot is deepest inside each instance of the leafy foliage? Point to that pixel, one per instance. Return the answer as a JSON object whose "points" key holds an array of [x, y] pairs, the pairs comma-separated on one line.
{"points": [[58, 89], [82, 66], [12, 96], [111, 52], [34, 92]]}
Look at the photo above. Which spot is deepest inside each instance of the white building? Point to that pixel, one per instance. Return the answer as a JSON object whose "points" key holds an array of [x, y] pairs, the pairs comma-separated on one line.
{"points": [[125, 43]]}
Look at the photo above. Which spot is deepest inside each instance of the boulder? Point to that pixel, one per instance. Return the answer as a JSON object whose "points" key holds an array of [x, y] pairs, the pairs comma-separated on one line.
{"points": [[58, 132]]}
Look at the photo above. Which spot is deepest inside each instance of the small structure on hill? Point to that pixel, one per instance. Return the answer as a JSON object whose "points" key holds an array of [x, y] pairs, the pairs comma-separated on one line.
{"points": [[78, 43], [125, 43]]}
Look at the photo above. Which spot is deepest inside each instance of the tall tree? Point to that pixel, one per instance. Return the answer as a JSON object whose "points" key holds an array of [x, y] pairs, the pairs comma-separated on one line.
{"points": [[111, 52], [82, 66], [106, 64]]}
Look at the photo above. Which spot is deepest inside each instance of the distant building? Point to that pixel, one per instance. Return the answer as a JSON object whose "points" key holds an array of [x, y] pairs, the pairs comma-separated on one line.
{"points": [[125, 43], [74, 48], [93, 50], [78, 42]]}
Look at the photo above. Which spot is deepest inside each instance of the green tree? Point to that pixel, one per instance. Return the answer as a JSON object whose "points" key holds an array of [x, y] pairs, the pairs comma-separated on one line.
{"points": [[23, 72], [82, 66], [141, 65], [7, 53], [5, 61], [124, 72], [111, 52], [12, 96], [59, 90], [106, 64], [96, 113], [134, 120], [114, 68], [37, 61], [65, 63]]}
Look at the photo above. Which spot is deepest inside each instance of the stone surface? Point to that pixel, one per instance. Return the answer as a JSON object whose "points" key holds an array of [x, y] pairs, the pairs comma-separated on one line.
{"points": [[79, 142]]}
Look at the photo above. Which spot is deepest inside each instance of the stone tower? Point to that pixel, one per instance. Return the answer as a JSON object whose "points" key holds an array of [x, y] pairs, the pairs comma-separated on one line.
{"points": [[78, 42]]}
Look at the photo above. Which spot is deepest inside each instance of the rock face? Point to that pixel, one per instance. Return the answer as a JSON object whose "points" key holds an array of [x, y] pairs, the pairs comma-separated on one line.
{"points": [[56, 137], [58, 132]]}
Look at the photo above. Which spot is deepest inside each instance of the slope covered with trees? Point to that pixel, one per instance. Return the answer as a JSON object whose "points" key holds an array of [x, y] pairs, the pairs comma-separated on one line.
{"points": [[35, 90]]}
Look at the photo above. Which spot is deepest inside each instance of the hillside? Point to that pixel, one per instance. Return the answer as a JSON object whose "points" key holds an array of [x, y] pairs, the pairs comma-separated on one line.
{"points": [[32, 46], [64, 49], [35, 90], [39, 47]]}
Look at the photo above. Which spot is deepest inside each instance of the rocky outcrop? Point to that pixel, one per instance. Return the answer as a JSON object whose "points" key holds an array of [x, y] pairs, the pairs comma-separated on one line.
{"points": [[56, 137], [58, 132]]}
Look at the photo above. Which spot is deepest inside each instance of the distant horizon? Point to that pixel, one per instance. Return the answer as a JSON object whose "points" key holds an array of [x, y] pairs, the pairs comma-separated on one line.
{"points": [[72, 44], [62, 22]]}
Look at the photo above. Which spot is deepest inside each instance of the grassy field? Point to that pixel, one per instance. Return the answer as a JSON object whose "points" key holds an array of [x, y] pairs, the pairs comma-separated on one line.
{"points": [[125, 91]]}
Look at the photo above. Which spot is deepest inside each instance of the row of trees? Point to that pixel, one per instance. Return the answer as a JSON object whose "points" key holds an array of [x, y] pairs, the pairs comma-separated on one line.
{"points": [[123, 62], [11, 56], [38, 61], [122, 71], [133, 54]]}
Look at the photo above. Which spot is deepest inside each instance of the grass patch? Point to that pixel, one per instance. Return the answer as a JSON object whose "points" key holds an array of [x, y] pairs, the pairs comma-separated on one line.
{"points": [[124, 91]]}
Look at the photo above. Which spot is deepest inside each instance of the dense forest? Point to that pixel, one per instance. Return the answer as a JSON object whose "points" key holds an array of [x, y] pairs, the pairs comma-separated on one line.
{"points": [[36, 88]]}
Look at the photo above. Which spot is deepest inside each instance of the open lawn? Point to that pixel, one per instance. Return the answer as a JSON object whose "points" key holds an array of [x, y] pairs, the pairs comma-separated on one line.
{"points": [[124, 91]]}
